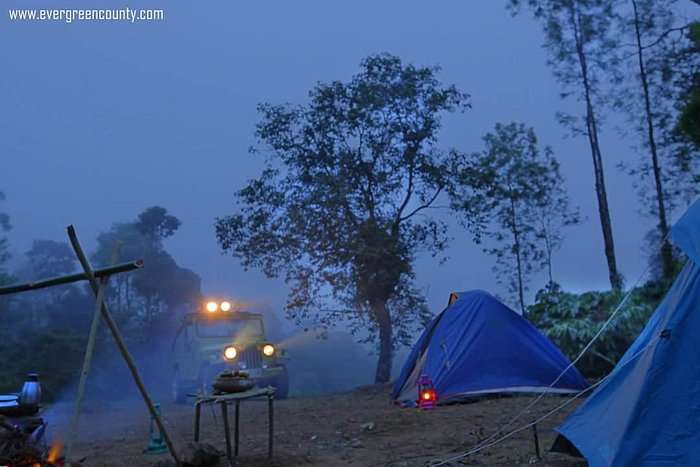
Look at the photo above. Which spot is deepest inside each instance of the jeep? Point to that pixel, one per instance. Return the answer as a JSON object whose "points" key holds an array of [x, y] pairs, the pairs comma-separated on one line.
{"points": [[222, 337]]}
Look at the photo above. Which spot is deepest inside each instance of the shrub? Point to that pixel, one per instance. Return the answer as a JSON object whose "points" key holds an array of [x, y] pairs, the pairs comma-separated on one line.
{"points": [[571, 320]]}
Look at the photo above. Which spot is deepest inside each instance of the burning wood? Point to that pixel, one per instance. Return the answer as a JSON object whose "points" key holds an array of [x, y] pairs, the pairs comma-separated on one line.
{"points": [[21, 445], [54, 452]]}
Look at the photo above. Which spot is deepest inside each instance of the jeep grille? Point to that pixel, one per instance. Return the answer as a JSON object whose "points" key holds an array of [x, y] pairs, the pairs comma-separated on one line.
{"points": [[252, 357]]}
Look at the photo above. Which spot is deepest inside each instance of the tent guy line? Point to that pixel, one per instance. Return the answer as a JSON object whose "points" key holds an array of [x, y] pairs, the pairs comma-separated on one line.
{"points": [[544, 392], [482, 446], [487, 442], [644, 413]]}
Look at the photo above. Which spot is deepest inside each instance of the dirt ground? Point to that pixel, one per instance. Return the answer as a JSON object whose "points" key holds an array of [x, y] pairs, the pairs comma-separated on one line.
{"points": [[323, 431]]}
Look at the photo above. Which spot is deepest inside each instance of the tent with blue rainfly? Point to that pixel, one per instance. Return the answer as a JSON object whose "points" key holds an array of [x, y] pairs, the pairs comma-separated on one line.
{"points": [[477, 346], [647, 412]]}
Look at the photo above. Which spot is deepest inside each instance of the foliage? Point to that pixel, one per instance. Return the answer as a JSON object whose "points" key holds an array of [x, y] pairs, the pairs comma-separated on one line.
{"points": [[142, 300], [340, 209], [571, 320], [55, 353], [689, 120], [511, 194], [46, 331], [681, 82], [155, 224]]}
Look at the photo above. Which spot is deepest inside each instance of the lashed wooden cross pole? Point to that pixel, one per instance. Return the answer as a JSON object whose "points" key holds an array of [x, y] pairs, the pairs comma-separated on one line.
{"points": [[99, 273], [94, 284], [87, 360]]}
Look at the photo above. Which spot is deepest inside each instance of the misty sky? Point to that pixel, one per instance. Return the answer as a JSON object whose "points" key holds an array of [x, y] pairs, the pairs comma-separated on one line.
{"points": [[100, 120]]}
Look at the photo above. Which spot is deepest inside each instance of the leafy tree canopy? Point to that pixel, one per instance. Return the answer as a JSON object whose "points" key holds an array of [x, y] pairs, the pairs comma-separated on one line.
{"points": [[341, 207], [145, 297], [511, 194], [689, 122], [156, 224]]}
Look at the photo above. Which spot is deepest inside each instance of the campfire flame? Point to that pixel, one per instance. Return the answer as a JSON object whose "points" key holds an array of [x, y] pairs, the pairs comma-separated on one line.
{"points": [[54, 452]]}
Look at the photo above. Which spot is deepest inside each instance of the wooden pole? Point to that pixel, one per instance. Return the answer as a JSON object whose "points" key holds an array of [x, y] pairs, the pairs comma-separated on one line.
{"points": [[536, 439], [98, 273], [120, 342], [87, 361]]}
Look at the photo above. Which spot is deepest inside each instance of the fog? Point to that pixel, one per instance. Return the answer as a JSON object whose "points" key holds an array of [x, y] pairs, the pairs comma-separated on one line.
{"points": [[99, 121], [102, 120]]}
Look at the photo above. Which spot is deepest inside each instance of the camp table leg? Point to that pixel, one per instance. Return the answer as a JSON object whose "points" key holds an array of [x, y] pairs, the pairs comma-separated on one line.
{"points": [[197, 414], [227, 431], [270, 424], [238, 406]]}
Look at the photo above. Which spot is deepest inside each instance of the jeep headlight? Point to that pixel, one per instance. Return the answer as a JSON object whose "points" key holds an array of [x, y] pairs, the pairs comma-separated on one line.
{"points": [[230, 353], [268, 350]]}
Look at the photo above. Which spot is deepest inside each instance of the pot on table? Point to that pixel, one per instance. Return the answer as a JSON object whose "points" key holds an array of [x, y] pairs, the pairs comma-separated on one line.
{"points": [[232, 382]]}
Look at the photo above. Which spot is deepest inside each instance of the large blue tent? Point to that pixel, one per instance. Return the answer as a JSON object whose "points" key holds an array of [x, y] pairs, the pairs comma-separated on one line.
{"points": [[478, 345], [647, 413]]}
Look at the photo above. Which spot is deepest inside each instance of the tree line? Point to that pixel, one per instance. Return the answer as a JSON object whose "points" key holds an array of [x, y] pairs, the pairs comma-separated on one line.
{"points": [[46, 330], [353, 178]]}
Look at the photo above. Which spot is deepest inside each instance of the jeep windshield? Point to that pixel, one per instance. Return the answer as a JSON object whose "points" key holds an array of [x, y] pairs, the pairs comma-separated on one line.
{"points": [[229, 327]]}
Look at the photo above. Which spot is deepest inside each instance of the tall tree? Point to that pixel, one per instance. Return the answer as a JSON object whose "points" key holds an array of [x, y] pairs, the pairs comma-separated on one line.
{"points": [[650, 32], [579, 38], [554, 212], [155, 224], [341, 209], [639, 26], [508, 193]]}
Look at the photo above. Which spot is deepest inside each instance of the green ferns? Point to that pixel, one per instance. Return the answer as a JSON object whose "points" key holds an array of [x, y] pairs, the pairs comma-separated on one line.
{"points": [[571, 320]]}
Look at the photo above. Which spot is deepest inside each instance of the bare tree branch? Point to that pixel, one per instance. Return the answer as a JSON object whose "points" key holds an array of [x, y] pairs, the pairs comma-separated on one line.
{"points": [[423, 206]]}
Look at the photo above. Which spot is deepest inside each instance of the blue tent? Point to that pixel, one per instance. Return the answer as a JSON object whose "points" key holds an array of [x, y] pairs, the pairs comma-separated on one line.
{"points": [[647, 413], [477, 345]]}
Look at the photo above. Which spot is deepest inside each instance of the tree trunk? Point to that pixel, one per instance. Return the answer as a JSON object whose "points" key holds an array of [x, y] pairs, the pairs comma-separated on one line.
{"points": [[518, 260], [666, 252], [383, 319], [592, 132], [549, 253]]}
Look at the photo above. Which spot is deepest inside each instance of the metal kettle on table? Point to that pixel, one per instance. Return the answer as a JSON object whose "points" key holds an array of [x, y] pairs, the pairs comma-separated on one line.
{"points": [[30, 396]]}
